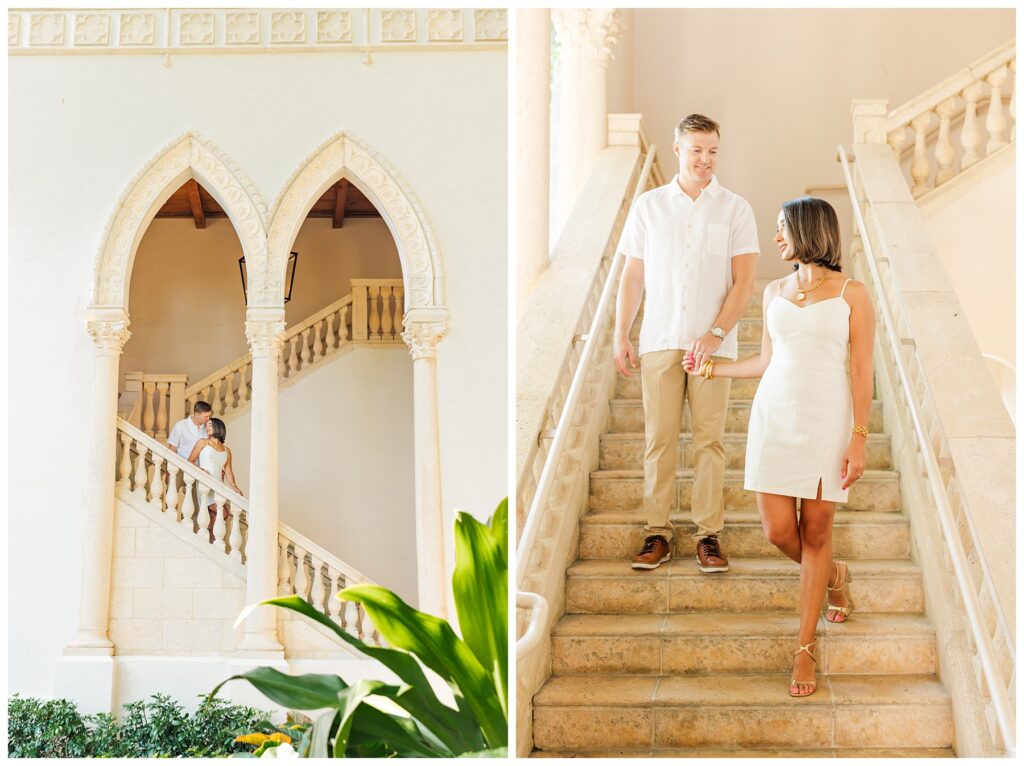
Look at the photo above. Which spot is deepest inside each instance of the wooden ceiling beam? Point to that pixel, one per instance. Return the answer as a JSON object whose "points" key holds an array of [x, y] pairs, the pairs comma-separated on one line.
{"points": [[196, 203], [339, 204]]}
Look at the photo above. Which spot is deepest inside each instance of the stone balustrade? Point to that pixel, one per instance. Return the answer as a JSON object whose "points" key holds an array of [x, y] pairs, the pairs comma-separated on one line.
{"points": [[307, 570], [950, 127], [161, 397], [377, 310]]}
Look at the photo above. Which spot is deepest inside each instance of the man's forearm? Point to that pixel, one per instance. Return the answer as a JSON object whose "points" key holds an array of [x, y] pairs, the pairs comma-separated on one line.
{"points": [[627, 303], [734, 305]]}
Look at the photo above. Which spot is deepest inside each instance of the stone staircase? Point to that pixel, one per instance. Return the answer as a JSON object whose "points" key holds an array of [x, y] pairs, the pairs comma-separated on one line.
{"points": [[672, 662]]}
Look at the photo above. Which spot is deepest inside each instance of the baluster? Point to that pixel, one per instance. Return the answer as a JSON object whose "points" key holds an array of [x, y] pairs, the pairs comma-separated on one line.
{"points": [[343, 334], [125, 471], [148, 387], [219, 526], [140, 470], [921, 167], [351, 617], [333, 605], [319, 335], [171, 495], [331, 333], [374, 292], [234, 390], [223, 391], [387, 316], [161, 409], [996, 122], [945, 155], [365, 626], [293, 355], [208, 395], [235, 540], [318, 593], [399, 312], [188, 506], [970, 136], [1013, 101], [307, 350], [284, 567], [282, 364], [301, 576], [156, 486]]}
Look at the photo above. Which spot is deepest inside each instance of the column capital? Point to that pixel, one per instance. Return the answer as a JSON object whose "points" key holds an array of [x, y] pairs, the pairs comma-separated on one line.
{"points": [[424, 329], [869, 118], [588, 32], [109, 330], [264, 329]]}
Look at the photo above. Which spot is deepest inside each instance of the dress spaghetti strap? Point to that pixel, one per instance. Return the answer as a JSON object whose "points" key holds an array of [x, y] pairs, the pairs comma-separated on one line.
{"points": [[841, 292]]}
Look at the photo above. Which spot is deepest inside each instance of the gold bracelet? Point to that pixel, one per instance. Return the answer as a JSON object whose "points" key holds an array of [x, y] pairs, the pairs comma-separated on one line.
{"points": [[862, 430], [707, 370]]}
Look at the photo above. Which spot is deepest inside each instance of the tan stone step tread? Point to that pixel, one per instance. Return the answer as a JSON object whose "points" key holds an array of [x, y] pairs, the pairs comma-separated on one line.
{"points": [[610, 534], [709, 642], [759, 584], [704, 711]]}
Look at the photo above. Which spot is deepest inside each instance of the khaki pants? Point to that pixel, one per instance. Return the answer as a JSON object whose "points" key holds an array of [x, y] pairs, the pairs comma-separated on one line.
{"points": [[665, 385]]}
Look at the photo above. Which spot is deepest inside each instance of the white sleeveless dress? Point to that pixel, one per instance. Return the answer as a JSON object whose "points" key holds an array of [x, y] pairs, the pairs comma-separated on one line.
{"points": [[213, 462], [802, 413]]}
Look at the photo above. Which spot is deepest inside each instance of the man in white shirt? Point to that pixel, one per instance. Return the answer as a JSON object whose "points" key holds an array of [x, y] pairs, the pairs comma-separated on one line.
{"points": [[188, 431], [692, 246]]}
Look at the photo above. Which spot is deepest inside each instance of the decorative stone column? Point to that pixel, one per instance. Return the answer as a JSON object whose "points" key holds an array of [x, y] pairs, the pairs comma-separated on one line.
{"points": [[586, 37], [264, 328], [109, 331], [424, 328], [533, 147]]}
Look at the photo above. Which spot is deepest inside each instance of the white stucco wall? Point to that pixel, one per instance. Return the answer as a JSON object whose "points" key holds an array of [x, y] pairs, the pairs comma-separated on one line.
{"points": [[780, 83], [345, 450], [80, 127], [186, 304]]}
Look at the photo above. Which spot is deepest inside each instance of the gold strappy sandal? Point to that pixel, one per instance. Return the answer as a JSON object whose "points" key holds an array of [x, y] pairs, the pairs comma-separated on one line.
{"points": [[840, 585], [793, 681]]}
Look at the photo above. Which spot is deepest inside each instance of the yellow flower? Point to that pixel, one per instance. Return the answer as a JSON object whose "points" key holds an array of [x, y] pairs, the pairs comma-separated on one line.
{"points": [[282, 738], [252, 739]]}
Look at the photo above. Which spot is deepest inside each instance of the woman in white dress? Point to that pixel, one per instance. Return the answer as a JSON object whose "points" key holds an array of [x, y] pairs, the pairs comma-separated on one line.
{"points": [[807, 436], [212, 456]]}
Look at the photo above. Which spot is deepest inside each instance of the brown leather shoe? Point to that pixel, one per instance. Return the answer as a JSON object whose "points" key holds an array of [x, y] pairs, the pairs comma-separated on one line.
{"points": [[655, 552], [710, 555]]}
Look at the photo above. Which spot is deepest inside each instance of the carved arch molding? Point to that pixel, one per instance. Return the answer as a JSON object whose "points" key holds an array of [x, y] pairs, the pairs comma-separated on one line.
{"points": [[267, 239]]}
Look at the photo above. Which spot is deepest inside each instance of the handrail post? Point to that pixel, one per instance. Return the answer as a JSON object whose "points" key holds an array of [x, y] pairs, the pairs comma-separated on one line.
{"points": [[133, 384], [360, 328]]}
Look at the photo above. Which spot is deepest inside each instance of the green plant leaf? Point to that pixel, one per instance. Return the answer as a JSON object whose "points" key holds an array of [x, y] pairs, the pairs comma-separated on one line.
{"points": [[458, 729], [311, 691], [401, 735], [434, 642], [348, 702], [480, 557], [321, 735]]}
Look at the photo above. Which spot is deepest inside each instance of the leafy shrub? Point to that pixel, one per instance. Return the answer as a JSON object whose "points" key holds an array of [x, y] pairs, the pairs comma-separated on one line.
{"points": [[156, 728]]}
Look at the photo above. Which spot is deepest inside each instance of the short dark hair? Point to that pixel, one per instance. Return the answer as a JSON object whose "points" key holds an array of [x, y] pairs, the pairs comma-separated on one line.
{"points": [[813, 228], [201, 407], [696, 123], [218, 429]]}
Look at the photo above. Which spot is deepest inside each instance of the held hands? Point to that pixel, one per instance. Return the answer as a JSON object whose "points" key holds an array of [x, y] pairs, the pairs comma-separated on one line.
{"points": [[704, 348], [624, 356], [854, 461]]}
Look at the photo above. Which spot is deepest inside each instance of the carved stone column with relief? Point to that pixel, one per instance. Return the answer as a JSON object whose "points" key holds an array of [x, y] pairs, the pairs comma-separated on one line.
{"points": [[109, 331], [586, 37], [264, 328], [424, 329]]}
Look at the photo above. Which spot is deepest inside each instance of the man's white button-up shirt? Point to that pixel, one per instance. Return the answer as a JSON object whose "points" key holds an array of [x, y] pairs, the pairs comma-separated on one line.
{"points": [[687, 247]]}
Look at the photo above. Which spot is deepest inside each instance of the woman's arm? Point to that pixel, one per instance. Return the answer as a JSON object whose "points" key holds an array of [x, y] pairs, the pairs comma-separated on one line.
{"points": [[194, 457], [862, 342], [752, 366], [229, 474]]}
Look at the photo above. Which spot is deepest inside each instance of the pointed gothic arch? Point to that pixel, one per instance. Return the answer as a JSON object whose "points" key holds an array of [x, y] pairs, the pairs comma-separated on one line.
{"points": [[346, 156], [188, 156]]}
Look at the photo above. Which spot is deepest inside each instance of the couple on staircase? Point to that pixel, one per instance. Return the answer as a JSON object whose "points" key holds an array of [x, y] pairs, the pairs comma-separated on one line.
{"points": [[199, 439], [692, 246]]}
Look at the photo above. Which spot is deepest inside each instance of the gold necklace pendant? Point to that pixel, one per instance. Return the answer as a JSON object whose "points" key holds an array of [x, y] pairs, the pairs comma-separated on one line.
{"points": [[800, 295]]}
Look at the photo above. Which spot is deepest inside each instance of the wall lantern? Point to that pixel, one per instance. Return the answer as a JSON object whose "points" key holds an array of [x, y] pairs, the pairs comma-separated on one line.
{"points": [[289, 276]]}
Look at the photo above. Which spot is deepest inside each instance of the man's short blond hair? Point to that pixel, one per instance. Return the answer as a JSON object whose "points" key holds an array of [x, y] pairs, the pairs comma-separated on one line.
{"points": [[696, 123]]}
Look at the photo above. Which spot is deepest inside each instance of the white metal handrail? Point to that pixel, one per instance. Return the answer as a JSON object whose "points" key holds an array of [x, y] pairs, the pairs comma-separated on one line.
{"points": [[547, 477], [954, 545]]}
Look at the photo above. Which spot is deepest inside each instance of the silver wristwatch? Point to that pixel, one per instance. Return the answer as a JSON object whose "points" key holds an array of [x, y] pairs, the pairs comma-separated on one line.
{"points": [[718, 332]]}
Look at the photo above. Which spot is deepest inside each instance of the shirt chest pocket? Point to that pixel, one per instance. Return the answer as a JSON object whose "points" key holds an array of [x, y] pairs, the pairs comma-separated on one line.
{"points": [[717, 240]]}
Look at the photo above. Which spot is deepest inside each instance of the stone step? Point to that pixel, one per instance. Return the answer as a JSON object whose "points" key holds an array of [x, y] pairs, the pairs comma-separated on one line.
{"points": [[729, 711], [627, 416], [755, 752], [738, 643], [622, 490], [626, 450], [603, 586], [855, 535]]}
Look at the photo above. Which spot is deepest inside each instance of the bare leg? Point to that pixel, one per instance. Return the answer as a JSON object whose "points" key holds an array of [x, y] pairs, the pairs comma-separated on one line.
{"points": [[778, 520], [213, 517], [816, 518]]}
